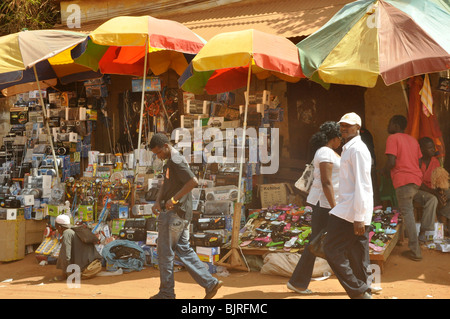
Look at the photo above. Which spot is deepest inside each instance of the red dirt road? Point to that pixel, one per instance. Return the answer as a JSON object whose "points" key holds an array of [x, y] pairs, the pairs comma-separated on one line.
{"points": [[402, 279]]}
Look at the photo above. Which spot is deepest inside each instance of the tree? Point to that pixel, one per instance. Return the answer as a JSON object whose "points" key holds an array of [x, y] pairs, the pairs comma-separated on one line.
{"points": [[16, 15]]}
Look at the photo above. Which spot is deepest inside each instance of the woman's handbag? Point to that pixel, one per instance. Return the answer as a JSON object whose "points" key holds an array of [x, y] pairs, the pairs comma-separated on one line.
{"points": [[305, 181], [316, 245]]}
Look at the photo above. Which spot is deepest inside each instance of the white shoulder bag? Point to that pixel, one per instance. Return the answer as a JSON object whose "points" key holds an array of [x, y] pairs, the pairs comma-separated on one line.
{"points": [[305, 181]]}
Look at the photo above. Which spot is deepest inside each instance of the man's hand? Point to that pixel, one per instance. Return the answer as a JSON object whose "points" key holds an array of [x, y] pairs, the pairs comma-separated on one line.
{"points": [[169, 204], [156, 209], [359, 228]]}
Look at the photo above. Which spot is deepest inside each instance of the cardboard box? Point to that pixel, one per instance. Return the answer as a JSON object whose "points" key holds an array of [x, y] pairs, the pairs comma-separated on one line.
{"points": [[207, 258], [11, 213], [117, 226], [151, 84], [86, 212], [210, 251], [274, 194], [34, 231], [12, 239], [152, 238]]}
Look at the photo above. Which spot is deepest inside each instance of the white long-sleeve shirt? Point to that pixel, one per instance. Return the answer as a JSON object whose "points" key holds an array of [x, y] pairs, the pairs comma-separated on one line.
{"points": [[355, 201]]}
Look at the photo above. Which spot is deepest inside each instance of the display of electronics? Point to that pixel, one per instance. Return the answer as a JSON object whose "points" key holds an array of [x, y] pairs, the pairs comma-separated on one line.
{"points": [[135, 229], [210, 223], [197, 107], [218, 207], [229, 192], [142, 209], [206, 239], [18, 115]]}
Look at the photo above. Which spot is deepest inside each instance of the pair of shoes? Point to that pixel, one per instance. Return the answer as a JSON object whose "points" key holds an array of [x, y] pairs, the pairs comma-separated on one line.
{"points": [[213, 291], [160, 296], [365, 295], [409, 254], [303, 292]]}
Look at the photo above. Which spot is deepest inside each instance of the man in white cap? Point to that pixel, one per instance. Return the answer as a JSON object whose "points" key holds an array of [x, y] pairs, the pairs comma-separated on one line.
{"points": [[347, 243], [75, 251]]}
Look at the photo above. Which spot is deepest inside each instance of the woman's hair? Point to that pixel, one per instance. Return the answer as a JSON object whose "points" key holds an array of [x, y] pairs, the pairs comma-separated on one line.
{"points": [[327, 132]]}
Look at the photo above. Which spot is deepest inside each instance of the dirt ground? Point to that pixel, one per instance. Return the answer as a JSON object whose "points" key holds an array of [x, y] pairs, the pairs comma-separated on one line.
{"points": [[401, 279]]}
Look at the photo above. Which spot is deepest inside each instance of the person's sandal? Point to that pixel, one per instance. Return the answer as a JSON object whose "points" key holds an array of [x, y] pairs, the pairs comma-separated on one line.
{"points": [[302, 292]]}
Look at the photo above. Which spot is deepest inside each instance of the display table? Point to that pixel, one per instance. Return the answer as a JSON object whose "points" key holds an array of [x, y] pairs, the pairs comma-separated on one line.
{"points": [[380, 257]]}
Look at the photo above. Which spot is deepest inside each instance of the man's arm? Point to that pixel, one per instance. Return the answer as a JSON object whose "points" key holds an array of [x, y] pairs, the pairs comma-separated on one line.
{"points": [[390, 164], [191, 184]]}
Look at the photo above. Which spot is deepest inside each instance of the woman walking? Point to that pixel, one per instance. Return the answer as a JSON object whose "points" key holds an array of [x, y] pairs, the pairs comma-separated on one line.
{"points": [[322, 197]]}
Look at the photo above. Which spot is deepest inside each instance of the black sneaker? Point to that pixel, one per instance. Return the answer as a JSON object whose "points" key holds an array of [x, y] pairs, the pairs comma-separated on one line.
{"points": [[213, 291]]}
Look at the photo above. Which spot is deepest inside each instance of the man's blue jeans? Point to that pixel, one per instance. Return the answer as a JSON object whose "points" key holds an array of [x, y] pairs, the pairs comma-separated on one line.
{"points": [[173, 238]]}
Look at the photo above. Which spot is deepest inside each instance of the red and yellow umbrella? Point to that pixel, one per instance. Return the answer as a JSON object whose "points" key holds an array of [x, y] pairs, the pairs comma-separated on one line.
{"points": [[133, 45], [118, 46], [226, 63], [226, 60]]}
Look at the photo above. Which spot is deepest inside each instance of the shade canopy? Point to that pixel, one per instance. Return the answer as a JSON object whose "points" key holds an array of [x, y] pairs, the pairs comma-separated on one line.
{"points": [[394, 39]]}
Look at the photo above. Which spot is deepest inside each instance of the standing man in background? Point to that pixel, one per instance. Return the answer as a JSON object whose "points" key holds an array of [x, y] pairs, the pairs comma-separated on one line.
{"points": [[403, 155]]}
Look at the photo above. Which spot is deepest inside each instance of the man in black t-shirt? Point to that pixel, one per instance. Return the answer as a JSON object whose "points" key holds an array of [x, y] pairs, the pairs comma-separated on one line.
{"points": [[174, 207]]}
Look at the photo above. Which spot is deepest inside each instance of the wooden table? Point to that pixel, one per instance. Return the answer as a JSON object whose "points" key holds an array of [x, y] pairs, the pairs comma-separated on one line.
{"points": [[380, 257]]}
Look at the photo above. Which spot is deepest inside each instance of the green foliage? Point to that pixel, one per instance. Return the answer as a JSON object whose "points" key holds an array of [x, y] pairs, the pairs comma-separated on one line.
{"points": [[16, 15]]}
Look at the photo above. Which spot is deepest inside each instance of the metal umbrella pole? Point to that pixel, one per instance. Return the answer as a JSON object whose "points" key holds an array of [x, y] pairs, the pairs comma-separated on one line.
{"points": [[141, 118], [235, 258], [49, 134]]}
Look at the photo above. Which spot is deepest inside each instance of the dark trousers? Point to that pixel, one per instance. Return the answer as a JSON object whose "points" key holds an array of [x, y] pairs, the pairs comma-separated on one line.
{"points": [[348, 255], [301, 277]]}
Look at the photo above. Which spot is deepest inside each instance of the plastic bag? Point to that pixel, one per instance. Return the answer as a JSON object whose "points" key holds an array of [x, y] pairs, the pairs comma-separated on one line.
{"points": [[283, 264]]}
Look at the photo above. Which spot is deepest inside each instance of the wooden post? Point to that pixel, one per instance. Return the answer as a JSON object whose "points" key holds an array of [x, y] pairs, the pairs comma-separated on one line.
{"points": [[233, 259]]}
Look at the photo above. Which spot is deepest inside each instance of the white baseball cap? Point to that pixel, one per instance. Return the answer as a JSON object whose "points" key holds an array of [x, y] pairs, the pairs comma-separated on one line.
{"points": [[351, 118], [63, 220]]}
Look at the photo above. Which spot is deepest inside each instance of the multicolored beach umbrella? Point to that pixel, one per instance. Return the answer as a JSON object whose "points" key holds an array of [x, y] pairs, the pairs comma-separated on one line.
{"points": [[46, 50], [131, 45], [226, 60], [118, 46], [394, 39], [33, 56]]}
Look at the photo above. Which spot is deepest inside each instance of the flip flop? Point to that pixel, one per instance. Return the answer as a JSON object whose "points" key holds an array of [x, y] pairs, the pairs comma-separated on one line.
{"points": [[287, 227], [390, 231], [394, 220], [245, 243], [290, 242], [273, 243], [375, 247]]}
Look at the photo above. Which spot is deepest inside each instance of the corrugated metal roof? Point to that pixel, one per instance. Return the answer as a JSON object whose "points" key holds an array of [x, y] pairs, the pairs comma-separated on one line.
{"points": [[288, 18]]}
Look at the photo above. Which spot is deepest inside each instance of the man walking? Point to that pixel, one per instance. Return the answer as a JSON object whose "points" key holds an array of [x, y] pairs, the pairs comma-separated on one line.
{"points": [[174, 207], [403, 154], [347, 243]]}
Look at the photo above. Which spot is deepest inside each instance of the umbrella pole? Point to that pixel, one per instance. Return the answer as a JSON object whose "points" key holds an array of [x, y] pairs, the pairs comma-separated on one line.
{"points": [[140, 119], [236, 260], [49, 134]]}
